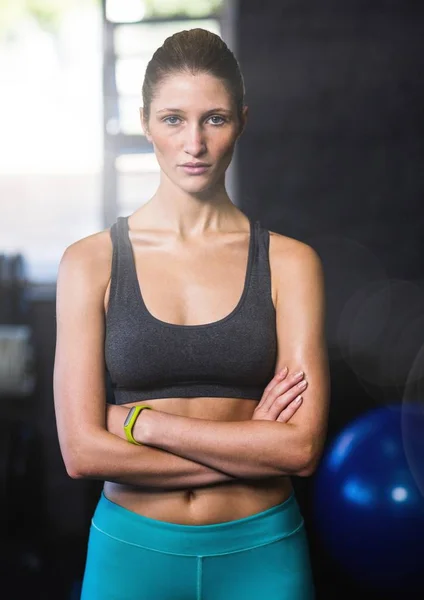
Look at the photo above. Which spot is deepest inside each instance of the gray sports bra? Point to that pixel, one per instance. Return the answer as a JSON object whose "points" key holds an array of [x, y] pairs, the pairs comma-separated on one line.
{"points": [[148, 358]]}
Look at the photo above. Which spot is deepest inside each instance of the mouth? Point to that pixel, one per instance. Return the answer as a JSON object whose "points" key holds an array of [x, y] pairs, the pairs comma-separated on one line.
{"points": [[195, 170]]}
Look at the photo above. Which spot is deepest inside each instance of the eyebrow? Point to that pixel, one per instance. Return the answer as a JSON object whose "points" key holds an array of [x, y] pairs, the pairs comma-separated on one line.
{"points": [[212, 110]]}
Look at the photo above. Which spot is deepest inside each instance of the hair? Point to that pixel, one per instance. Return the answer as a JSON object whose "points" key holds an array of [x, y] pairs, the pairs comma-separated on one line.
{"points": [[193, 51]]}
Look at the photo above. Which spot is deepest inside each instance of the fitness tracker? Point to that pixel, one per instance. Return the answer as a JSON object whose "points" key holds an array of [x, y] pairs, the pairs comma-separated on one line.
{"points": [[130, 421]]}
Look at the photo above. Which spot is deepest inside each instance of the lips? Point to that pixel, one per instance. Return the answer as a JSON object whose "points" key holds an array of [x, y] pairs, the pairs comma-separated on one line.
{"points": [[194, 164], [196, 170]]}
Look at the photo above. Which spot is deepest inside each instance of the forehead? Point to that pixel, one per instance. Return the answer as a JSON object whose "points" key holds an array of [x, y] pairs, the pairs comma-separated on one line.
{"points": [[186, 90]]}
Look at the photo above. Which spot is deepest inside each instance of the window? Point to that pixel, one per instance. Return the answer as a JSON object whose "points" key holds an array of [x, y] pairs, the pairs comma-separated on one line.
{"points": [[69, 164], [51, 123]]}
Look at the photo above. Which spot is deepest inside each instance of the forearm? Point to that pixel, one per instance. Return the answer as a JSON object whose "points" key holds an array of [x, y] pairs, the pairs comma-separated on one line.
{"points": [[245, 449], [116, 460], [104, 456]]}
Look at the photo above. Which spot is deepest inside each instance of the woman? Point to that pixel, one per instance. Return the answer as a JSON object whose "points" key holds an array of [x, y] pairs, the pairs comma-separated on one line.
{"points": [[194, 310]]}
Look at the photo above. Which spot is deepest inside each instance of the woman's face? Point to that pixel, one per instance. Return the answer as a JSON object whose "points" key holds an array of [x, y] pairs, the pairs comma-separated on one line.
{"points": [[193, 119]]}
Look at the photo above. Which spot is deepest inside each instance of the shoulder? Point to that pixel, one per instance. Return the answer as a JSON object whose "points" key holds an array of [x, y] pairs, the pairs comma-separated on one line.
{"points": [[88, 259], [290, 257], [299, 283]]}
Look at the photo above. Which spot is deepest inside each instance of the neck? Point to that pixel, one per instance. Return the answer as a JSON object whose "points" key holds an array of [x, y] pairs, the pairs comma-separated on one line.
{"points": [[189, 214]]}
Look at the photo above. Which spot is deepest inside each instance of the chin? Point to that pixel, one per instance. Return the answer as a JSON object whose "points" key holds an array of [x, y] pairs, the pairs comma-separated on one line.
{"points": [[196, 186], [196, 191]]}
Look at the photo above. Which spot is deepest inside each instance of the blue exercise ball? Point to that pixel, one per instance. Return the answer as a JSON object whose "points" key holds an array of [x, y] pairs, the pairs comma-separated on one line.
{"points": [[368, 498]]}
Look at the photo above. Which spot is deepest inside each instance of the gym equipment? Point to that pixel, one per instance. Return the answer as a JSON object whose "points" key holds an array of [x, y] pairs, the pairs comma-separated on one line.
{"points": [[19, 291], [14, 292], [17, 361], [368, 500]]}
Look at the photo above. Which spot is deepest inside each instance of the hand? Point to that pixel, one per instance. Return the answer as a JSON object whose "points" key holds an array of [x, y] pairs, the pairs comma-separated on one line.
{"points": [[278, 400]]}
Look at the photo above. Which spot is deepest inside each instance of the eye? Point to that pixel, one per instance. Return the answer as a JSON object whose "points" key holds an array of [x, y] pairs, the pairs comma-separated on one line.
{"points": [[170, 117], [222, 120], [218, 117]]}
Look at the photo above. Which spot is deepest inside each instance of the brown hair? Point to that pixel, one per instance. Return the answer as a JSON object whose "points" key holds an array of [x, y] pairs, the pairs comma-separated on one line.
{"points": [[193, 51]]}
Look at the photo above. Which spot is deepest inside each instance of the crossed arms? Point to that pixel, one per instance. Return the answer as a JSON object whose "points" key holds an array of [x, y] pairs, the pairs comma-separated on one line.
{"points": [[181, 451]]}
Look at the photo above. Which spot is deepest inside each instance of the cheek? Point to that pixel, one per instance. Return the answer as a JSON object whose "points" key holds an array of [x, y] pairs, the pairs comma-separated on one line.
{"points": [[227, 141], [226, 147], [163, 144]]}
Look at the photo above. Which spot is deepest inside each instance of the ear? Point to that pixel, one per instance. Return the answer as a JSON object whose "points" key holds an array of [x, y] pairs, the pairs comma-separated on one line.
{"points": [[143, 124]]}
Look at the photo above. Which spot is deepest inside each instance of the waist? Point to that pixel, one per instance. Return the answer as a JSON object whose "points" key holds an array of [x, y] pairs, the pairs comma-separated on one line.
{"points": [[201, 506], [272, 523]]}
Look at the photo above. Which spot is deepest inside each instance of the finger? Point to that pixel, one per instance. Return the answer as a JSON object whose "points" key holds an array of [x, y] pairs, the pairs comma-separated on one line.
{"points": [[281, 388], [278, 377], [282, 409], [281, 403], [288, 412]]}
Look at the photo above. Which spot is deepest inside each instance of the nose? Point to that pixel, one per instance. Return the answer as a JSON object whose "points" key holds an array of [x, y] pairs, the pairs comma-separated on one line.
{"points": [[194, 142]]}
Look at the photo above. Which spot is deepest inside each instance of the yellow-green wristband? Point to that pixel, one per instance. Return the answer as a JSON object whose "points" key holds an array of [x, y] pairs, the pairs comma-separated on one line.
{"points": [[130, 422]]}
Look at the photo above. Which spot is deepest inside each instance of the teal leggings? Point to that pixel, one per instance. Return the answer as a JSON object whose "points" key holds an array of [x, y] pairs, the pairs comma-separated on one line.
{"points": [[132, 557]]}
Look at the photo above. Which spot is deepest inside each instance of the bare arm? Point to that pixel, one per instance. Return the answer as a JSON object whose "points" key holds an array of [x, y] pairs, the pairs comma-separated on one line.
{"points": [[280, 392], [248, 449], [88, 449], [145, 467], [263, 448]]}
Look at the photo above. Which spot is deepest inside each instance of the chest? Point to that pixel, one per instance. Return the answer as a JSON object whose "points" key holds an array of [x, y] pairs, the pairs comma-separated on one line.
{"points": [[190, 285], [192, 321]]}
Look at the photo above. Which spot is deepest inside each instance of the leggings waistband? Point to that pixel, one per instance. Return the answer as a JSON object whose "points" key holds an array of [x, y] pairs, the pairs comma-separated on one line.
{"points": [[258, 529]]}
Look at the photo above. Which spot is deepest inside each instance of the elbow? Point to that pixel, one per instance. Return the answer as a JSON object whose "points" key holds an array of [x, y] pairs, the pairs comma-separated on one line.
{"points": [[81, 470], [307, 470], [77, 463], [75, 467], [72, 465], [310, 463], [74, 473], [84, 455]]}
